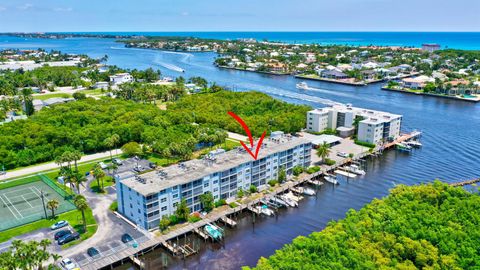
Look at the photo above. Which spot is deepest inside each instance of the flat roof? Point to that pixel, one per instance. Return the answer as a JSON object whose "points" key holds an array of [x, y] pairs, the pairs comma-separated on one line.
{"points": [[185, 172]]}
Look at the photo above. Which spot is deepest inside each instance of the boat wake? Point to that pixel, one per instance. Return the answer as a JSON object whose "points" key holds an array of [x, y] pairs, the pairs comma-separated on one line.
{"points": [[340, 94], [169, 66]]}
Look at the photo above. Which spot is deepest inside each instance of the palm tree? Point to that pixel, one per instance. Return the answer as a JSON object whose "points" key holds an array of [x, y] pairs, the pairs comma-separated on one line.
{"points": [[109, 143], [82, 206], [323, 151], [98, 174], [78, 179], [115, 140], [75, 156], [53, 205]]}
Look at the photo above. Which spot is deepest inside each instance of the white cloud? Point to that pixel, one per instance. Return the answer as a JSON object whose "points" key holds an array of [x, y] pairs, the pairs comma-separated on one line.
{"points": [[25, 6], [185, 13], [61, 9], [2, 8]]}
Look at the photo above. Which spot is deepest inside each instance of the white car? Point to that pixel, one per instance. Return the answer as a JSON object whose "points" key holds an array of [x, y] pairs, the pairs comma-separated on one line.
{"points": [[342, 154], [103, 165], [118, 161], [59, 224], [68, 264]]}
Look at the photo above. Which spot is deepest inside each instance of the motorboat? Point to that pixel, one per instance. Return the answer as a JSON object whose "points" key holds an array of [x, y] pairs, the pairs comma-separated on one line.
{"points": [[265, 210], [331, 179], [415, 144], [355, 169], [308, 191], [403, 147], [289, 201], [214, 231], [279, 201], [302, 85]]}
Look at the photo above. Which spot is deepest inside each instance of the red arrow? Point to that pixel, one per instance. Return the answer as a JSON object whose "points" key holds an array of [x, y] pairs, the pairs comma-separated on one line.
{"points": [[249, 134]]}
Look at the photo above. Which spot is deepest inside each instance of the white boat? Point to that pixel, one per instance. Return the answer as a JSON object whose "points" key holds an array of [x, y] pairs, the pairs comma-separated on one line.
{"points": [[302, 85], [415, 144], [279, 201], [265, 210], [331, 178], [355, 169], [289, 201], [308, 191]]}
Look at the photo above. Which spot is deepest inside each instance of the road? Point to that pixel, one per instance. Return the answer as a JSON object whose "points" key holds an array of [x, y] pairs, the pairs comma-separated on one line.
{"points": [[53, 165]]}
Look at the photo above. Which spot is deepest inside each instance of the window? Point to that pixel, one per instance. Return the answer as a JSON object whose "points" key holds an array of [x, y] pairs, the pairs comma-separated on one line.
{"points": [[164, 208], [163, 200]]}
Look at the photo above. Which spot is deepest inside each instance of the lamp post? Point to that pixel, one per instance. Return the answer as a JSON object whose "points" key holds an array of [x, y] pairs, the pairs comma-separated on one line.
{"points": [[43, 203]]}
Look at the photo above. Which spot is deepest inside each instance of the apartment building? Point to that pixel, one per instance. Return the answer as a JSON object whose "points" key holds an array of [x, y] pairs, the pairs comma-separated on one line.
{"points": [[370, 126], [144, 199]]}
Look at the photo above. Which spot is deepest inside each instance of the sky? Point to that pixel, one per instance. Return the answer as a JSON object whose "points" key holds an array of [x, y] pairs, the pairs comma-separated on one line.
{"points": [[240, 15]]}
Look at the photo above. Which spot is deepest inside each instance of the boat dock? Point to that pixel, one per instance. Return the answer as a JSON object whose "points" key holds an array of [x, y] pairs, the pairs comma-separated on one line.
{"points": [[465, 183], [226, 216], [403, 138], [228, 221], [346, 174]]}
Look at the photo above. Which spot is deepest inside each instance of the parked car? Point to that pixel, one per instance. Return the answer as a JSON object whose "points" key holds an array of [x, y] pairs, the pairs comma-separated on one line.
{"points": [[59, 224], [68, 238], [3, 172], [118, 161], [92, 252], [68, 264], [138, 168], [103, 165], [342, 154], [152, 165], [61, 234], [126, 238]]}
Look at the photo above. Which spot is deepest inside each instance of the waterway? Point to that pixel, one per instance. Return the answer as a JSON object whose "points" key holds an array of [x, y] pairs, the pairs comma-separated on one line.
{"points": [[450, 137]]}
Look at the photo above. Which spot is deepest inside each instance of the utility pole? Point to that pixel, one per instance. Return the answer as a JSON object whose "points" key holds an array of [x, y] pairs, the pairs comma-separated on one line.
{"points": [[43, 204]]}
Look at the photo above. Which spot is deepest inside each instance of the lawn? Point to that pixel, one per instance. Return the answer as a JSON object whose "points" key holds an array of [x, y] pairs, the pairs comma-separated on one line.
{"points": [[15, 182], [73, 217], [107, 181], [160, 160], [93, 92], [55, 95]]}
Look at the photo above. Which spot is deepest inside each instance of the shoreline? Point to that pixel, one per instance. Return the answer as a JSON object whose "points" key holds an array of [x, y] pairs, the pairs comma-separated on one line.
{"points": [[255, 71], [431, 95]]}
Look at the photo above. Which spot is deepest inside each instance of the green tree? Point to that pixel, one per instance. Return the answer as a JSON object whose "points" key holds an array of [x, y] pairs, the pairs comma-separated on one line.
{"points": [[240, 193], [132, 149], [297, 170], [28, 101], [28, 255], [252, 189], [53, 205], [98, 174], [208, 202], [282, 175], [78, 179], [182, 210], [323, 151], [82, 206], [164, 223], [79, 96]]}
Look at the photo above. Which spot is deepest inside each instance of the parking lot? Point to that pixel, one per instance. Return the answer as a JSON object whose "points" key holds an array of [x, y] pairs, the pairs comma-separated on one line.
{"points": [[112, 242], [131, 163]]}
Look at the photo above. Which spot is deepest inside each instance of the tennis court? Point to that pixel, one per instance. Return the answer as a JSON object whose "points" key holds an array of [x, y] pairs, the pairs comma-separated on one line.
{"points": [[23, 204]]}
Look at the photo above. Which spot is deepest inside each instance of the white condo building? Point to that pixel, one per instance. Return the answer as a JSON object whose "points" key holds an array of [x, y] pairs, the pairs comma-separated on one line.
{"points": [[373, 126], [144, 199]]}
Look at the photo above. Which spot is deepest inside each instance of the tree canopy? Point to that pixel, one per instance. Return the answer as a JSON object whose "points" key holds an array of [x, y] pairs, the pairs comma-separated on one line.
{"points": [[85, 125], [431, 226]]}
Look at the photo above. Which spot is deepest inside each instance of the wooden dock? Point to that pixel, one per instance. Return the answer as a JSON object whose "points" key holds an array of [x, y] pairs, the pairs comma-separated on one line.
{"points": [[403, 138], [201, 233], [465, 183], [228, 221]]}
